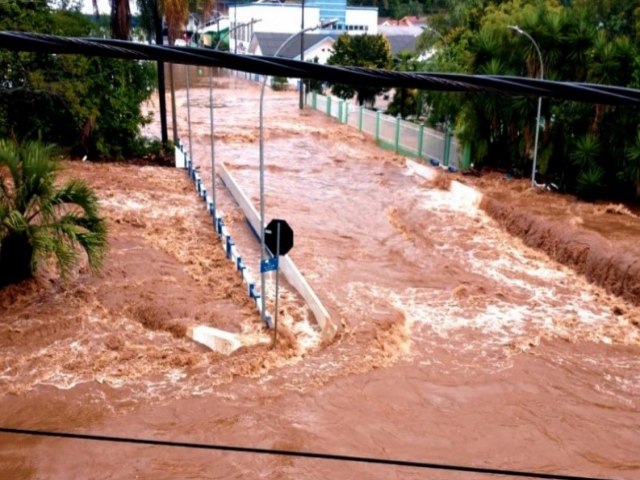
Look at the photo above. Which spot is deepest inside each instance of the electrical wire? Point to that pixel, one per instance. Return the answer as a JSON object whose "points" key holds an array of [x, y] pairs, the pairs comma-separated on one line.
{"points": [[355, 76], [506, 85], [292, 453]]}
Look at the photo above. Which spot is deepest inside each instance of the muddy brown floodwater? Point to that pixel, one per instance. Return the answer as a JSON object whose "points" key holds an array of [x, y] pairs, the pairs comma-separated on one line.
{"points": [[458, 343]]}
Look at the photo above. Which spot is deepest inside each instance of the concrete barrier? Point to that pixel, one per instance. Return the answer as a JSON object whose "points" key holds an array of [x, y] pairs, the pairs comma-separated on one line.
{"points": [[214, 338], [217, 340], [179, 157], [460, 190], [287, 266]]}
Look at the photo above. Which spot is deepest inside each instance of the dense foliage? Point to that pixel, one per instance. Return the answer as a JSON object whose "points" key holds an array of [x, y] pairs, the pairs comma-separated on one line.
{"points": [[587, 148], [87, 104], [39, 219], [371, 51]]}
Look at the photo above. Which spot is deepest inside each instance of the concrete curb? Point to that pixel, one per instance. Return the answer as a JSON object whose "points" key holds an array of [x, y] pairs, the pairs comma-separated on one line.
{"points": [[216, 339], [288, 267], [460, 190]]}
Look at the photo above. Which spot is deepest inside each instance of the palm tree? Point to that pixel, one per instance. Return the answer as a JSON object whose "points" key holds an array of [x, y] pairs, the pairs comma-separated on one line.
{"points": [[120, 19], [631, 171], [96, 11], [38, 219]]}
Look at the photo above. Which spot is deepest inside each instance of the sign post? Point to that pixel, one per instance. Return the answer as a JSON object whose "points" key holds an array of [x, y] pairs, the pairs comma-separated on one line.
{"points": [[278, 238], [275, 313]]}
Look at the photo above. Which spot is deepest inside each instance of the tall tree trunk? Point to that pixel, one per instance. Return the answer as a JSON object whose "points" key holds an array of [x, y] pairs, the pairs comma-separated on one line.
{"points": [[120, 19]]}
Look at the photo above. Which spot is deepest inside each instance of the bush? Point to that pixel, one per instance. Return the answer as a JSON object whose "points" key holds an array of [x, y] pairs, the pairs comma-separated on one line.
{"points": [[39, 219], [590, 183], [89, 105], [280, 83]]}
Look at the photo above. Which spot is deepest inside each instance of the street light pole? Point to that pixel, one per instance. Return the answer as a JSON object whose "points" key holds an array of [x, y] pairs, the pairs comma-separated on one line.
{"points": [[301, 103], [263, 251], [213, 160], [517, 29]]}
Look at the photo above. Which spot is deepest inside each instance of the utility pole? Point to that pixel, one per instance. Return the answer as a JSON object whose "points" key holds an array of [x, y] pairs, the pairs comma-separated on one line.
{"points": [[302, 56]]}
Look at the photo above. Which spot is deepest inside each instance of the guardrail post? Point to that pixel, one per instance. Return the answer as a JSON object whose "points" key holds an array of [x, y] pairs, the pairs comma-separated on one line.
{"points": [[314, 100], [328, 105], [466, 156], [340, 102], [378, 115], [361, 115], [447, 147], [420, 140], [346, 112], [397, 136]]}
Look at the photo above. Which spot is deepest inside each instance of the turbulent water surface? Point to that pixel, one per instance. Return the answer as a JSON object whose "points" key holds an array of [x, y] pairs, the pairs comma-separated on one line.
{"points": [[457, 343]]}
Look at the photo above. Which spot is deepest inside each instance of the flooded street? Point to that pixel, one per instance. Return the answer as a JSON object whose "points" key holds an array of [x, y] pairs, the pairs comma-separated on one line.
{"points": [[457, 343]]}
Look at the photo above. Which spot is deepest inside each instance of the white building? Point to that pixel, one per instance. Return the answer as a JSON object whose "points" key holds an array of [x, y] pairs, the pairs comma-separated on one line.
{"points": [[275, 17]]}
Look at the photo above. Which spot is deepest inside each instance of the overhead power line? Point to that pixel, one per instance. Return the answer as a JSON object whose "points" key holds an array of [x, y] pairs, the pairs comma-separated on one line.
{"points": [[292, 453], [437, 81]]}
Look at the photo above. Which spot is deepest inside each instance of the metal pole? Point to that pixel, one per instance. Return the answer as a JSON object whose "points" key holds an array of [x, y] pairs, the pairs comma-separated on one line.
{"points": [[535, 145], [213, 160], [517, 29], [235, 27], [263, 252], [174, 115], [301, 105], [189, 115], [275, 313]]}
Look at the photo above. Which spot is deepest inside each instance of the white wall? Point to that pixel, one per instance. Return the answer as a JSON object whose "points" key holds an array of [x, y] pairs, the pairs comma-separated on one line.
{"points": [[285, 18], [275, 18], [367, 17], [322, 50]]}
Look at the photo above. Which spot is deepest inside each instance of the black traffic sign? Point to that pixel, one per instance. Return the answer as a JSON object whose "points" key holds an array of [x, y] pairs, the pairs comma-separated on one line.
{"points": [[271, 237]]}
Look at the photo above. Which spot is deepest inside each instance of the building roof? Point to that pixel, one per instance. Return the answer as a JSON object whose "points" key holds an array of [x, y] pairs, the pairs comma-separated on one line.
{"points": [[270, 42], [401, 43], [389, 30], [407, 21]]}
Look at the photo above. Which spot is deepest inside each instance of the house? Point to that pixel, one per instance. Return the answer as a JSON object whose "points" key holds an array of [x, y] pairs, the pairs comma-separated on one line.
{"points": [[276, 17], [316, 45], [408, 21], [401, 38]]}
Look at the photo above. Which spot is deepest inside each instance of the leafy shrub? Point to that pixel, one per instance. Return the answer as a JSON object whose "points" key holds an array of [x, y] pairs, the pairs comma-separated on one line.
{"points": [[39, 219], [590, 182], [280, 83], [89, 105]]}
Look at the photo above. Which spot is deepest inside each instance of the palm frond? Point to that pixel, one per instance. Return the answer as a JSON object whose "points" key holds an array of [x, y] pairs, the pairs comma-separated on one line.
{"points": [[77, 192], [38, 220]]}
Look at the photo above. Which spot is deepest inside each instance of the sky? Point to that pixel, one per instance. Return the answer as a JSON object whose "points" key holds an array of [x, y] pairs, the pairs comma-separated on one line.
{"points": [[105, 7]]}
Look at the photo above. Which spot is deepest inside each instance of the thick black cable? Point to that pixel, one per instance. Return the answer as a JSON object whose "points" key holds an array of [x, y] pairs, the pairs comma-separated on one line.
{"points": [[291, 453], [437, 81]]}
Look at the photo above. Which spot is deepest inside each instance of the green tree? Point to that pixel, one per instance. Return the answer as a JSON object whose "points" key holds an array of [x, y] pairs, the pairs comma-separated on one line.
{"points": [[631, 169], [315, 85], [88, 104], [39, 220], [371, 51], [580, 41], [405, 100]]}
